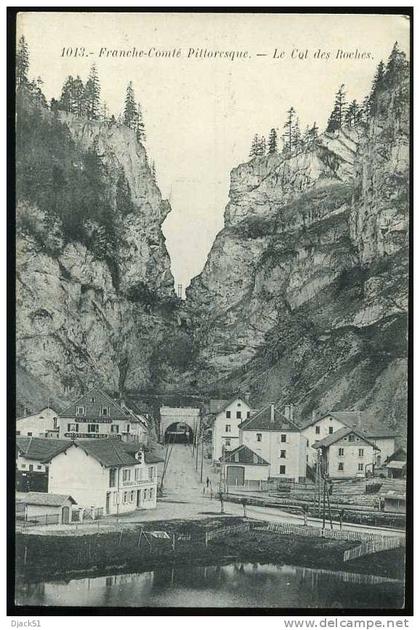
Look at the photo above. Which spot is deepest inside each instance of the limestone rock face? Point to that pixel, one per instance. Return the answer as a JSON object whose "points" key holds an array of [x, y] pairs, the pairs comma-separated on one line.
{"points": [[303, 298], [79, 318]]}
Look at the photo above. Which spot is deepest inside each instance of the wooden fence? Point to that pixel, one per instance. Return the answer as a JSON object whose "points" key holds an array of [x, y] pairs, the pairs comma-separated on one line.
{"points": [[302, 530], [373, 546]]}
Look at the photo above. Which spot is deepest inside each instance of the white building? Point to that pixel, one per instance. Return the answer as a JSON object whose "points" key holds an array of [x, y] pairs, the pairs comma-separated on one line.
{"points": [[243, 468], [105, 474], [96, 415], [171, 417], [43, 507], [225, 430], [320, 427], [41, 424], [277, 440], [345, 454]]}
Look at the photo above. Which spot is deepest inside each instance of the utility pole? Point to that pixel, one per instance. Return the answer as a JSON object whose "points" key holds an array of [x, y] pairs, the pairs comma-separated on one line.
{"points": [[202, 457], [323, 508]]}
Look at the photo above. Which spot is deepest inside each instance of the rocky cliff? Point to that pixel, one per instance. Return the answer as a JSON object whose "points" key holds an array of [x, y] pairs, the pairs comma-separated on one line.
{"points": [[94, 286], [303, 298]]}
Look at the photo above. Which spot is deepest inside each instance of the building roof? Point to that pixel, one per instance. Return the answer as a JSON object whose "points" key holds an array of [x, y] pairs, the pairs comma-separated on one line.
{"points": [[151, 454], [36, 413], [261, 420], [338, 435], [41, 449], [382, 434], [243, 455], [93, 408], [397, 465], [353, 420], [399, 455], [109, 452], [43, 498]]}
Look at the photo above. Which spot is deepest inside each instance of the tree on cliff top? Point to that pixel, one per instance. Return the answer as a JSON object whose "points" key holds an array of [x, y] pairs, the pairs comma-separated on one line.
{"points": [[258, 146], [22, 61], [133, 115], [288, 131], [272, 142], [336, 118], [92, 94]]}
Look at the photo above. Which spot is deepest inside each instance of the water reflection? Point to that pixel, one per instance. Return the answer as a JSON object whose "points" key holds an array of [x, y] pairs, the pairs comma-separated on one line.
{"points": [[234, 585]]}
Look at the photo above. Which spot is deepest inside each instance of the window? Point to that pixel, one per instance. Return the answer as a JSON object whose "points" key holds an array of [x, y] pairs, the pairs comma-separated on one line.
{"points": [[228, 428], [93, 428], [125, 497], [239, 415], [112, 477], [330, 430], [228, 414], [248, 414], [227, 442], [351, 437], [105, 411], [80, 411], [361, 452], [126, 474], [29, 433], [341, 452], [92, 400], [144, 494], [132, 496], [360, 467], [318, 430], [127, 428], [259, 437], [282, 470], [31, 467], [341, 466], [236, 458], [283, 454], [73, 427], [23, 465], [151, 473], [39, 467], [55, 423], [283, 437], [151, 493], [115, 428]]}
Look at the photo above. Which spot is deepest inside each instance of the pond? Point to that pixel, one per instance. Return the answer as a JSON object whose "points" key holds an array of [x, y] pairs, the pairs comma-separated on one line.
{"points": [[233, 585]]}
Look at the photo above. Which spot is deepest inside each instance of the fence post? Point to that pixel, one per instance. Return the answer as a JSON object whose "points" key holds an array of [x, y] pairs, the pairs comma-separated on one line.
{"points": [[25, 555]]}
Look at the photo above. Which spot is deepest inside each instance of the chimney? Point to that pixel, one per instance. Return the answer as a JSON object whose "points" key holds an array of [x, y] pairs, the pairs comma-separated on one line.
{"points": [[287, 411], [247, 397], [313, 415], [291, 409], [271, 412]]}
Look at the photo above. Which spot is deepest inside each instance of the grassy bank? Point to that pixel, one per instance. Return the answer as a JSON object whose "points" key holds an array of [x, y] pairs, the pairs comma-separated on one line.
{"points": [[43, 557]]}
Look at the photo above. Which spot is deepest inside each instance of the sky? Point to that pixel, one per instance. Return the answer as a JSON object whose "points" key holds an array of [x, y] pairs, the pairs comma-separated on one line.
{"points": [[201, 113]]}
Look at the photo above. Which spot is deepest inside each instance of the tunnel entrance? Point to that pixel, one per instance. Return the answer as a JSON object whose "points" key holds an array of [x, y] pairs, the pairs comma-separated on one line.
{"points": [[178, 433]]}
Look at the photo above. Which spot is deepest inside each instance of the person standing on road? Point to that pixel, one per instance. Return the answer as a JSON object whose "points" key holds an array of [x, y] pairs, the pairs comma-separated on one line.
{"points": [[207, 482]]}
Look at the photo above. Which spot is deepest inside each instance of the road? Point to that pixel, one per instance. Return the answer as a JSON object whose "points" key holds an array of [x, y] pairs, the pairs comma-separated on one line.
{"points": [[184, 499]]}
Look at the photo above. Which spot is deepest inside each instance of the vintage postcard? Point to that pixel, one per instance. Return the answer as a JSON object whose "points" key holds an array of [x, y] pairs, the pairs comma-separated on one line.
{"points": [[212, 231]]}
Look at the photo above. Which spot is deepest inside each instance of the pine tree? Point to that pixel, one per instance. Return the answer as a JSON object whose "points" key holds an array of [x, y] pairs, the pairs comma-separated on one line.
{"points": [[262, 146], [92, 94], [130, 117], [22, 61], [352, 114], [397, 65], [272, 142], [288, 131], [296, 137], [140, 129], [336, 118], [254, 146], [310, 137], [66, 102], [78, 97]]}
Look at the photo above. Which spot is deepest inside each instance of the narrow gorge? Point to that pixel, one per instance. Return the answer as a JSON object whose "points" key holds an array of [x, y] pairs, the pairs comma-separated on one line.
{"points": [[303, 298]]}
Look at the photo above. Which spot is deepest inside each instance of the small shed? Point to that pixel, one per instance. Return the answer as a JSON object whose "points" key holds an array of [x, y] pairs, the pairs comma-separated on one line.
{"points": [[394, 503], [44, 508], [396, 469], [244, 467]]}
